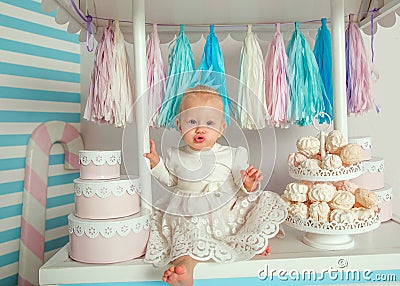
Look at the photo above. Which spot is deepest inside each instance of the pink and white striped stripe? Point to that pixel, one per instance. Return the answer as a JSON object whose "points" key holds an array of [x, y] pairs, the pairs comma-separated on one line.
{"points": [[31, 255]]}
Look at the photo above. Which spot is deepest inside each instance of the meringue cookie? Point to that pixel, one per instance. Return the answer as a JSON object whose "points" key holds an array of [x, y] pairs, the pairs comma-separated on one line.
{"points": [[321, 192], [319, 211], [366, 198], [298, 209], [343, 216], [311, 164], [342, 200], [295, 159], [351, 154], [346, 186], [363, 213], [296, 192], [331, 161], [334, 141], [308, 145]]}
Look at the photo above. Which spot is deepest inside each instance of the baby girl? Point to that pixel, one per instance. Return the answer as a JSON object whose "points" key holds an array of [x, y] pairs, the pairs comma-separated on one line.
{"points": [[218, 211]]}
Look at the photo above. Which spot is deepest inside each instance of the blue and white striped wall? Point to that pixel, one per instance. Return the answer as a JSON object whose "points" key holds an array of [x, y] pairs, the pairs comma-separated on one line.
{"points": [[39, 82]]}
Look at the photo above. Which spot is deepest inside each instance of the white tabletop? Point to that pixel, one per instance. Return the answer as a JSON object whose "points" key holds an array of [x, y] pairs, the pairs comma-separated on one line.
{"points": [[377, 250]]}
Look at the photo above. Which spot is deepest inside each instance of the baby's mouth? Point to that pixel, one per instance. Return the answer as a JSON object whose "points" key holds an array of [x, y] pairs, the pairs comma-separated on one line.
{"points": [[199, 139]]}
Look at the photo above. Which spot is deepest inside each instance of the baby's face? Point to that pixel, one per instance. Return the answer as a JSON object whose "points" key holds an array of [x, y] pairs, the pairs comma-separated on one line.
{"points": [[201, 122]]}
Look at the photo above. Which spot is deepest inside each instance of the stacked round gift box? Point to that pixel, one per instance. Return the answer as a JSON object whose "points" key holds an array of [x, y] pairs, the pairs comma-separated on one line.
{"points": [[373, 177], [107, 226]]}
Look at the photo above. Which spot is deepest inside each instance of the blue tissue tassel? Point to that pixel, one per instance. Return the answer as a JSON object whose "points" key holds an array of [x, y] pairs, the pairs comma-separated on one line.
{"points": [[211, 71], [181, 69], [306, 87], [323, 55]]}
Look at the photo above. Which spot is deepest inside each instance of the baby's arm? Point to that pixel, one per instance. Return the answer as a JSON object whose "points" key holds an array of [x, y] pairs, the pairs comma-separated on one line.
{"points": [[152, 156], [158, 167], [245, 176]]}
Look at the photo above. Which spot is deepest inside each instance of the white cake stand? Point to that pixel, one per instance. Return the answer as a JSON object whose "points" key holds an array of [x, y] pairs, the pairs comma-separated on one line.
{"points": [[331, 235]]}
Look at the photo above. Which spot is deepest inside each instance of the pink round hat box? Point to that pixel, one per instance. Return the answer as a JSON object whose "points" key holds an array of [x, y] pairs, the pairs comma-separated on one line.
{"points": [[108, 241], [372, 177], [103, 199], [99, 164], [385, 202]]}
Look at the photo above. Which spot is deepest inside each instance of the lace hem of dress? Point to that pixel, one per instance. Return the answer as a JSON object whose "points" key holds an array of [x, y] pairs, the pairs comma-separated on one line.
{"points": [[242, 236]]}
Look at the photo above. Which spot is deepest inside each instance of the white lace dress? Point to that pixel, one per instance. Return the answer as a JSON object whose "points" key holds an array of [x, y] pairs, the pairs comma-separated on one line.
{"points": [[208, 214]]}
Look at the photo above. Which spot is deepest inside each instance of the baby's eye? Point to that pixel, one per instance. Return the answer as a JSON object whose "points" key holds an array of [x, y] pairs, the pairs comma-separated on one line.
{"points": [[210, 122], [192, 121]]}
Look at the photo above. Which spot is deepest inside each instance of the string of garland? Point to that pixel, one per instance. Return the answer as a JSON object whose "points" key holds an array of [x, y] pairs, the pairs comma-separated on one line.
{"points": [[308, 76]]}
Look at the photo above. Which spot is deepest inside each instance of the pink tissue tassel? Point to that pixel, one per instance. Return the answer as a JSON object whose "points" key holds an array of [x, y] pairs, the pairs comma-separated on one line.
{"points": [[155, 76], [276, 85], [99, 88], [358, 72]]}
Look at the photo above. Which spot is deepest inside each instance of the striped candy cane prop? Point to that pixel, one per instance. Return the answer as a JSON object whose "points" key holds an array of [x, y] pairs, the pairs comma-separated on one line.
{"points": [[31, 253]]}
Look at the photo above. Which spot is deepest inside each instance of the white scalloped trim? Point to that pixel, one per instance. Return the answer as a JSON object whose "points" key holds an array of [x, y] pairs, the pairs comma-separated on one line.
{"points": [[99, 158], [374, 165], [107, 228], [321, 227], [103, 189], [364, 142], [340, 174], [384, 194]]}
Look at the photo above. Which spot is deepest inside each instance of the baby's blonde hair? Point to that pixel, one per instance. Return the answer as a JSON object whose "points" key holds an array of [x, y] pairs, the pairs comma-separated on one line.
{"points": [[201, 89], [207, 93]]}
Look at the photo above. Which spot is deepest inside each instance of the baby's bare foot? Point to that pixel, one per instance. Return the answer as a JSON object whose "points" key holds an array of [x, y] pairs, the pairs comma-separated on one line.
{"points": [[266, 251], [178, 276]]}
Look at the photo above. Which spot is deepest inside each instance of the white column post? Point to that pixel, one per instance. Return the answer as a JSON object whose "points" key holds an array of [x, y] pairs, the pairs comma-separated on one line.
{"points": [[141, 106], [339, 66]]}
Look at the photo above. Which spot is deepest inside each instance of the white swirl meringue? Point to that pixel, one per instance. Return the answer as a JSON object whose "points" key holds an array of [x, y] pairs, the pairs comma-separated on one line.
{"points": [[331, 162], [342, 200], [343, 216], [298, 209], [351, 154], [366, 198], [311, 164], [296, 192], [321, 192], [295, 159], [334, 141], [308, 145], [363, 213], [319, 211]]}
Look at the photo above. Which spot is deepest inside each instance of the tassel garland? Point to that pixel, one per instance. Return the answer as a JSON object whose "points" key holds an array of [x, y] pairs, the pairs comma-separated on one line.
{"points": [[121, 85], [306, 88], [211, 71], [155, 76], [251, 110], [323, 56], [110, 97], [276, 84], [181, 69], [97, 107], [358, 72]]}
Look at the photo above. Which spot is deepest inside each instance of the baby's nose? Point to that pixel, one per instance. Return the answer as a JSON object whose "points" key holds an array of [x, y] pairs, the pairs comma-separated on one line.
{"points": [[200, 129]]}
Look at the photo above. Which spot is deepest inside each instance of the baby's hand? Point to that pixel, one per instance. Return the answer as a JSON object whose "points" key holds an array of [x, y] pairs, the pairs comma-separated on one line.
{"points": [[152, 156], [251, 178]]}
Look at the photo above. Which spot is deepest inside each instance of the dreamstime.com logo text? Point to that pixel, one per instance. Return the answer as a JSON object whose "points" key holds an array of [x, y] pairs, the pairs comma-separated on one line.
{"points": [[339, 273]]}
